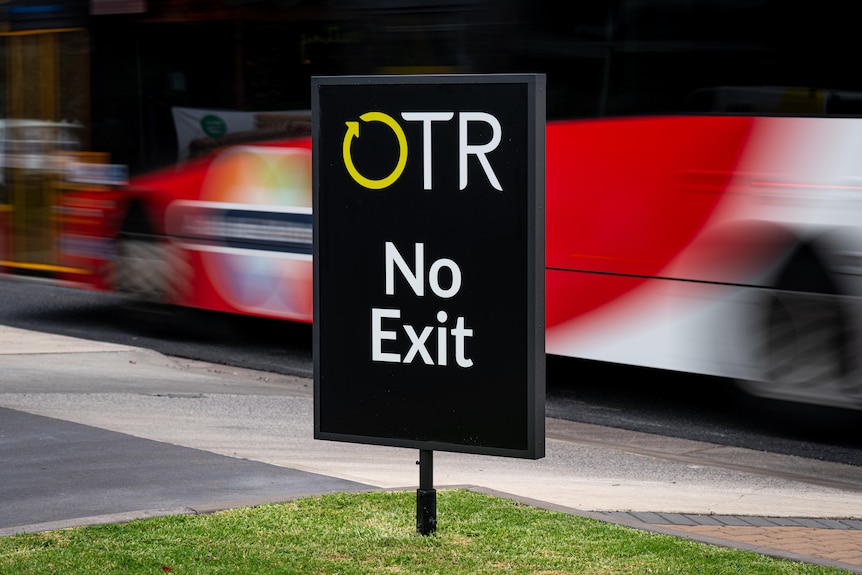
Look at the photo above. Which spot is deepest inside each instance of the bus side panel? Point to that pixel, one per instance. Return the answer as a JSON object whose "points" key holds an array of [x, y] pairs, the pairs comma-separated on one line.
{"points": [[677, 262], [628, 200], [627, 197], [266, 285], [659, 323], [243, 239]]}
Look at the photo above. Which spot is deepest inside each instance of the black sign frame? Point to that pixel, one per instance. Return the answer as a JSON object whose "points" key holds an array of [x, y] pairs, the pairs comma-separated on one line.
{"points": [[429, 323]]}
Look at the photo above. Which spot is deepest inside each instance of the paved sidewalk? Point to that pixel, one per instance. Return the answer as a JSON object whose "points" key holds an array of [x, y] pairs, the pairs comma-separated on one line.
{"points": [[836, 543], [833, 543]]}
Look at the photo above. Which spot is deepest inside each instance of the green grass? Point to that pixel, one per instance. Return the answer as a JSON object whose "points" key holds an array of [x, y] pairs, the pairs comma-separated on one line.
{"points": [[374, 533]]}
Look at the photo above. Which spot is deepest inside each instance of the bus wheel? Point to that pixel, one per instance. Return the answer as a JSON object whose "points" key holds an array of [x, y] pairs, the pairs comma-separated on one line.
{"points": [[805, 345], [141, 268], [140, 274]]}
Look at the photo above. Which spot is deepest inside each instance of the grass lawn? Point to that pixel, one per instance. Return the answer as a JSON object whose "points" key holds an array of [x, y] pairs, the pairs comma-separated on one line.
{"points": [[374, 533]]}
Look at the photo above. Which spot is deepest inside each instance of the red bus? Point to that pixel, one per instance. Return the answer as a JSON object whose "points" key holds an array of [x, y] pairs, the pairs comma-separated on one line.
{"points": [[702, 179], [720, 245]]}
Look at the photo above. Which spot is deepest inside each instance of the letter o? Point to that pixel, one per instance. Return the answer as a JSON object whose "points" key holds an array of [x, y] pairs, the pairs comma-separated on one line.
{"points": [[434, 278]]}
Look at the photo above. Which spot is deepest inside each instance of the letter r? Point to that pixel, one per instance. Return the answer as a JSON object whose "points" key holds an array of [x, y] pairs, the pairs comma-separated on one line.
{"points": [[478, 149]]}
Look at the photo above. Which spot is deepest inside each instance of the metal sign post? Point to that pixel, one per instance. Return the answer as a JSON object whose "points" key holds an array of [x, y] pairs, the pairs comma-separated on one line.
{"points": [[426, 495]]}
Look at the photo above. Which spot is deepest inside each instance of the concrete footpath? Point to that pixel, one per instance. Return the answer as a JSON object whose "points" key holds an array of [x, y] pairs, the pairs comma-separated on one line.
{"points": [[93, 432]]}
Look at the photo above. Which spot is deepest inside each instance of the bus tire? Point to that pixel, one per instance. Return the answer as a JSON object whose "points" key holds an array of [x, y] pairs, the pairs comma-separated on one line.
{"points": [[140, 268], [141, 271], [805, 343], [806, 339]]}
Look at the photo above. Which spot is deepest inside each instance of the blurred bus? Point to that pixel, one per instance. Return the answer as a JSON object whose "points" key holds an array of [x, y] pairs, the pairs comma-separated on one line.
{"points": [[703, 183]]}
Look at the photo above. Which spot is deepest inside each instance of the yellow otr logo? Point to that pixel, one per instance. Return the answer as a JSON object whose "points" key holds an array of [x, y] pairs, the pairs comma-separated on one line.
{"points": [[353, 132]]}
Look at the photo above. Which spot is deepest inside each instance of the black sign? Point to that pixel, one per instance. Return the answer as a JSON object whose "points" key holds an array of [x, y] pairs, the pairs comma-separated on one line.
{"points": [[429, 262]]}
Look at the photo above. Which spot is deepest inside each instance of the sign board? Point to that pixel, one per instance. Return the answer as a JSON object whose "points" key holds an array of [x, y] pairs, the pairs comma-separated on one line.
{"points": [[429, 262]]}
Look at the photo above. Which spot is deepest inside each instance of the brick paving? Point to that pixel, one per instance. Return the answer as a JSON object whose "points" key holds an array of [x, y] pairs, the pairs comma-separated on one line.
{"points": [[831, 542]]}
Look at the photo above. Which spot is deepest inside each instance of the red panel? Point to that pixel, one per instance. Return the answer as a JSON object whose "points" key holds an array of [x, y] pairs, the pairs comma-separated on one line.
{"points": [[627, 196]]}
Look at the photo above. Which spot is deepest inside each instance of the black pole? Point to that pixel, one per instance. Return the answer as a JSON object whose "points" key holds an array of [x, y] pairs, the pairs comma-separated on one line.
{"points": [[426, 496]]}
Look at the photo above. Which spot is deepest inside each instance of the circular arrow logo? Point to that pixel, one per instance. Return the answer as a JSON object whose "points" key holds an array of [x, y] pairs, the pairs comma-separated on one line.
{"points": [[353, 132]]}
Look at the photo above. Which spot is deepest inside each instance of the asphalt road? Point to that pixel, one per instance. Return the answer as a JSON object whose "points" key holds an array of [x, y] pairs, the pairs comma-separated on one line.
{"points": [[677, 405]]}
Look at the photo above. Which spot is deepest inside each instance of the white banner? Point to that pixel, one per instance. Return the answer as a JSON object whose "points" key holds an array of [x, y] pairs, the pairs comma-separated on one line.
{"points": [[198, 129], [192, 124]]}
